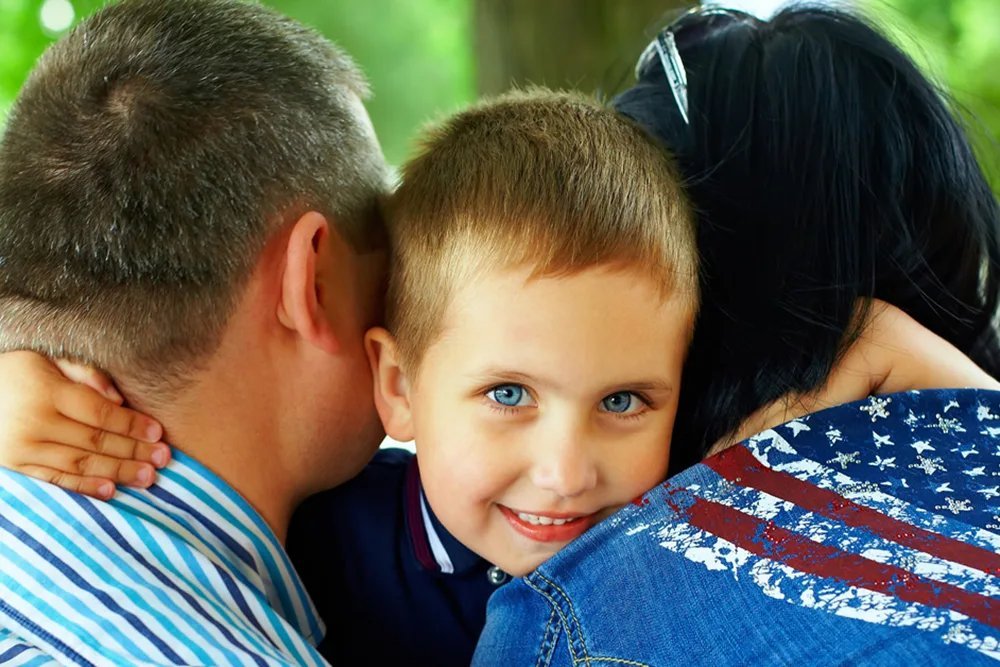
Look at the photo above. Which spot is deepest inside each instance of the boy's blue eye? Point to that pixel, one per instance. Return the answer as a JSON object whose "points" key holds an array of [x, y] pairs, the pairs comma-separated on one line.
{"points": [[621, 402], [510, 395]]}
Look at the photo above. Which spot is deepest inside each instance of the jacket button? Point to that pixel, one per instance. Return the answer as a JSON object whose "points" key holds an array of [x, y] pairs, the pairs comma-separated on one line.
{"points": [[496, 575]]}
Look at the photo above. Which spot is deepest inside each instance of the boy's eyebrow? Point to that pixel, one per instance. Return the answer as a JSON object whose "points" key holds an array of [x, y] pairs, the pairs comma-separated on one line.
{"points": [[649, 385], [505, 375]]}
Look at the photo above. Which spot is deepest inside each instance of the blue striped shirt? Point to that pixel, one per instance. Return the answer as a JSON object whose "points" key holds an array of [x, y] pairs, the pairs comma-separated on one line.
{"points": [[185, 573]]}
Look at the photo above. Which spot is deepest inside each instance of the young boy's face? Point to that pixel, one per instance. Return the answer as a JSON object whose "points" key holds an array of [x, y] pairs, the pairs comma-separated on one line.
{"points": [[544, 406]]}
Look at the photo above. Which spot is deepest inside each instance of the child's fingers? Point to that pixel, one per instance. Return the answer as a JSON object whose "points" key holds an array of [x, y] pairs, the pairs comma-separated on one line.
{"points": [[95, 487], [83, 405], [90, 377], [86, 440], [79, 463]]}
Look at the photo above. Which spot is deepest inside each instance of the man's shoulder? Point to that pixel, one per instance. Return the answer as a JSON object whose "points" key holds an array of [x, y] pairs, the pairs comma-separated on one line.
{"points": [[133, 581], [15, 651]]}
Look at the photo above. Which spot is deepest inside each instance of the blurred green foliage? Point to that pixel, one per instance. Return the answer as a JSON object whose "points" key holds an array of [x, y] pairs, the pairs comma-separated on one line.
{"points": [[956, 42], [419, 54], [23, 40]]}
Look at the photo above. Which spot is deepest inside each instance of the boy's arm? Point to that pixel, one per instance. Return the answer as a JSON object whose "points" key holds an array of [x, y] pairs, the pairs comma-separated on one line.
{"points": [[65, 424], [894, 353]]}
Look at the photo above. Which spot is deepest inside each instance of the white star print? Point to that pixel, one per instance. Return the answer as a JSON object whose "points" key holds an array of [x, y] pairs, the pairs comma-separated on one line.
{"points": [[945, 488], [983, 413], [834, 436], [929, 466], [882, 440], [993, 492], [955, 506], [978, 471], [882, 463], [921, 446], [948, 425], [797, 427], [951, 404], [844, 458], [877, 407]]}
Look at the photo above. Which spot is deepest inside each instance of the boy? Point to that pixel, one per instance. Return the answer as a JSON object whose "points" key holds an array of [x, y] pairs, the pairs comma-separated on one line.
{"points": [[543, 294]]}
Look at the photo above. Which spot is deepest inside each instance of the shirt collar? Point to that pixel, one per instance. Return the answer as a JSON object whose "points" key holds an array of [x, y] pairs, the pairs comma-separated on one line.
{"points": [[211, 516], [435, 548]]}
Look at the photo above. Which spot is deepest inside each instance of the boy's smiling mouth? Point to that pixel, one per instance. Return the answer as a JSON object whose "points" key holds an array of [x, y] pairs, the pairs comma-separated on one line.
{"points": [[550, 526]]}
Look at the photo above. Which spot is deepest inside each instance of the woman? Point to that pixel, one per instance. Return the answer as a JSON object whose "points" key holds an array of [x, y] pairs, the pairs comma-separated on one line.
{"points": [[826, 169]]}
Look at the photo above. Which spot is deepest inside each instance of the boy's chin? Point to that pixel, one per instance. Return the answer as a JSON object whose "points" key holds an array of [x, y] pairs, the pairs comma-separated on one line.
{"points": [[522, 565]]}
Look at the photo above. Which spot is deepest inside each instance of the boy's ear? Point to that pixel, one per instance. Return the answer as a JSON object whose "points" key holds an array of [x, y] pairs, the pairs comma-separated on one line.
{"points": [[301, 307], [392, 389]]}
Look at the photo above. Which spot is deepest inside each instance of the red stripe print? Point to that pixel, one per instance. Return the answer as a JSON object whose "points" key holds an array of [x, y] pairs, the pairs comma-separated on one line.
{"points": [[415, 520], [739, 466], [773, 542]]}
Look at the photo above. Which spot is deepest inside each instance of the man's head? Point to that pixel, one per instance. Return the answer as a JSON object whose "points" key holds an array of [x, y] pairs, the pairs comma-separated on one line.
{"points": [[150, 156], [542, 297], [158, 167]]}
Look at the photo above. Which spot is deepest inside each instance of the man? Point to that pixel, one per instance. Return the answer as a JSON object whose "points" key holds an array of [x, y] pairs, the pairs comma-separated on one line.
{"points": [[187, 199]]}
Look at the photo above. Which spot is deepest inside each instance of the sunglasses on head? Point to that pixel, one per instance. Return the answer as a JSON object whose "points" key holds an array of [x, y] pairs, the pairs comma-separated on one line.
{"points": [[691, 27]]}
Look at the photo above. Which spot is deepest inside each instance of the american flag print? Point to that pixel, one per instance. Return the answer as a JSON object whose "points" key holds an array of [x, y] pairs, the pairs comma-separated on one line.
{"points": [[886, 511]]}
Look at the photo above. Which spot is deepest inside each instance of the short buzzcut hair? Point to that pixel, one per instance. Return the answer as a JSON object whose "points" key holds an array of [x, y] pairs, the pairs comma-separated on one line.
{"points": [[540, 179], [151, 154]]}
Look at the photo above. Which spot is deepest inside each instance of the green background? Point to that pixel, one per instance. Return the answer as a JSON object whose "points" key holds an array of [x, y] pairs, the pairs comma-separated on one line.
{"points": [[420, 54], [417, 55]]}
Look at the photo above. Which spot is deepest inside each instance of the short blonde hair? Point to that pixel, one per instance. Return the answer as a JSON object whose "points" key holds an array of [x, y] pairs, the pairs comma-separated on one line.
{"points": [[535, 178]]}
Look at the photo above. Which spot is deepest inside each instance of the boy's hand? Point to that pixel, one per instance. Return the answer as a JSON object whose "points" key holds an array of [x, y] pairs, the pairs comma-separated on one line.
{"points": [[894, 353], [65, 424]]}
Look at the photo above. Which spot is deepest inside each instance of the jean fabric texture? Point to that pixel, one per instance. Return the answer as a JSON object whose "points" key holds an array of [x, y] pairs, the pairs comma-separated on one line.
{"points": [[866, 534]]}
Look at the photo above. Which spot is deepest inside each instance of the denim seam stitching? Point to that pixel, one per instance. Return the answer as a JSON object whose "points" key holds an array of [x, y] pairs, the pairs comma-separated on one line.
{"points": [[556, 608], [548, 648], [569, 603], [576, 620], [586, 659]]}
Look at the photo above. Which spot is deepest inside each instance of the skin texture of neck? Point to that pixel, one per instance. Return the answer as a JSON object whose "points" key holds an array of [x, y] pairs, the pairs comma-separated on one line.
{"points": [[229, 419]]}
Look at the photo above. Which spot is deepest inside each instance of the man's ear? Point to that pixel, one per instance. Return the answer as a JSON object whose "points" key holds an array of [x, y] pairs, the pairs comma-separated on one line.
{"points": [[392, 389], [301, 307]]}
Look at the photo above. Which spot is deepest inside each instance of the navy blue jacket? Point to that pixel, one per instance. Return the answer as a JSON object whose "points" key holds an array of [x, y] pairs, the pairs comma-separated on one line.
{"points": [[375, 561]]}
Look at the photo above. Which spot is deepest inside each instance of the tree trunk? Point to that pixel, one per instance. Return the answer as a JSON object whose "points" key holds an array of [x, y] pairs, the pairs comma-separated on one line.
{"points": [[588, 45]]}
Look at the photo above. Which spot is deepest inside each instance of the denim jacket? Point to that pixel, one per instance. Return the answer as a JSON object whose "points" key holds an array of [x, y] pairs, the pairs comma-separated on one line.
{"points": [[866, 534]]}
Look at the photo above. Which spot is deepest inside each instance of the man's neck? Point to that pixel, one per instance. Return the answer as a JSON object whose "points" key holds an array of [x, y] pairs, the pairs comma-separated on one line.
{"points": [[220, 423]]}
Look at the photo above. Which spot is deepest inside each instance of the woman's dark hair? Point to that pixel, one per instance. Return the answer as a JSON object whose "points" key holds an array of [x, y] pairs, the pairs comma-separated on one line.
{"points": [[824, 167]]}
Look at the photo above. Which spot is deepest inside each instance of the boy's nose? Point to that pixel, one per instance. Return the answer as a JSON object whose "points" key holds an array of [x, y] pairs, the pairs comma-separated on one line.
{"points": [[566, 469]]}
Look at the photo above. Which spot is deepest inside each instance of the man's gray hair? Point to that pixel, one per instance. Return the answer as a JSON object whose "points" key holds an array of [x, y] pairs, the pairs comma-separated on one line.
{"points": [[149, 157]]}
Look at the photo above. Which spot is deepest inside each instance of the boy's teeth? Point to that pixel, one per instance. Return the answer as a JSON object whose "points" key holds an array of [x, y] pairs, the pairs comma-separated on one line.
{"points": [[536, 520]]}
